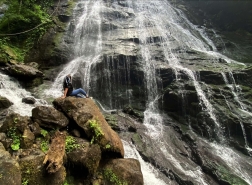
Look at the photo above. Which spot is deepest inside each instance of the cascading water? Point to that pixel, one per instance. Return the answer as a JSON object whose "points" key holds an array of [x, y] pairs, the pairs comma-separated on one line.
{"points": [[87, 45], [12, 90], [234, 89], [153, 20]]}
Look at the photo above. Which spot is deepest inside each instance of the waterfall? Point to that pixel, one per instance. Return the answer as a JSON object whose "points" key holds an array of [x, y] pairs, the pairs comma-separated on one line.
{"points": [[87, 45], [93, 34]]}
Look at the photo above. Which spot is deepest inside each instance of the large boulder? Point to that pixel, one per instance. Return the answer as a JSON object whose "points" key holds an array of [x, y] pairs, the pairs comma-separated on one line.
{"points": [[14, 120], [49, 117], [18, 131], [123, 171], [87, 115], [34, 172], [27, 75], [21, 70], [10, 173], [4, 103], [84, 156]]}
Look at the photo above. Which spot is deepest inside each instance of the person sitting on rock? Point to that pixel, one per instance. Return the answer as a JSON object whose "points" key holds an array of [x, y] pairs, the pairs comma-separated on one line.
{"points": [[68, 88]]}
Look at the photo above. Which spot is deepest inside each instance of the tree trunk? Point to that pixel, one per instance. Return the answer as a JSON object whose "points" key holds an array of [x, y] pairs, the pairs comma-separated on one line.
{"points": [[56, 152]]}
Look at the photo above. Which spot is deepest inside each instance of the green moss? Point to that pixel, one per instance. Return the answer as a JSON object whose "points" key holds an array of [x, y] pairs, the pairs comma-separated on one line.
{"points": [[227, 176], [71, 144], [113, 178], [25, 181], [43, 132], [44, 145], [137, 139], [184, 128], [96, 129], [111, 119], [12, 133], [71, 5], [57, 39], [108, 146]]}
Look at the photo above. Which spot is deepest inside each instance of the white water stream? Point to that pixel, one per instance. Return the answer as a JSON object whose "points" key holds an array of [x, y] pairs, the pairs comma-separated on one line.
{"points": [[12, 90]]}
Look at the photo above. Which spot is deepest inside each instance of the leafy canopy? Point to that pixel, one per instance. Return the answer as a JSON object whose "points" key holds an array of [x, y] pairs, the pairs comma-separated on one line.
{"points": [[24, 22]]}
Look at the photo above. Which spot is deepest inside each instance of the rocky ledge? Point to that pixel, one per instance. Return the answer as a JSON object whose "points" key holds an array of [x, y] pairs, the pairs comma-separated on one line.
{"points": [[68, 143]]}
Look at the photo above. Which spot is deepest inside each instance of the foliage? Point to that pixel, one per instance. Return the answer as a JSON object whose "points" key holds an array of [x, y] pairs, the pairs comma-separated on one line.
{"points": [[71, 144], [44, 145], [22, 16], [112, 177], [25, 181], [43, 132], [12, 133], [15, 120], [96, 129]]}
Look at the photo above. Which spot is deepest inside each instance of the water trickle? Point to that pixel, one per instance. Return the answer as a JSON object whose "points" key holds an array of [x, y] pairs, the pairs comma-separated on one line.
{"points": [[235, 89], [150, 173], [234, 161]]}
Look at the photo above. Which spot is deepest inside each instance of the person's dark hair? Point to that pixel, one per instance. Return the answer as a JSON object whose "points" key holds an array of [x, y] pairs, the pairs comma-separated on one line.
{"points": [[69, 75]]}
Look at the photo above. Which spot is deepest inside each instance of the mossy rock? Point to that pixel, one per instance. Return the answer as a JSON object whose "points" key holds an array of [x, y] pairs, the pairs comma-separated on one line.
{"points": [[4, 58], [112, 121], [10, 173], [34, 172], [133, 112], [225, 175]]}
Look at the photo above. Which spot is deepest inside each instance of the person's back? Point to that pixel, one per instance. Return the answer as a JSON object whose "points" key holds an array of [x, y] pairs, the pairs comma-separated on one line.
{"points": [[67, 83], [68, 88]]}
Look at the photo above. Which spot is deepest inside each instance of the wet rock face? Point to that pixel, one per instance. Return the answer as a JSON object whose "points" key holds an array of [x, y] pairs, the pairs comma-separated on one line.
{"points": [[201, 91], [230, 20]]}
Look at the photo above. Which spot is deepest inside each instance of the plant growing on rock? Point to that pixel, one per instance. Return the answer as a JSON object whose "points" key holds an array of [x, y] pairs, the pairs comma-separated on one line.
{"points": [[43, 132], [71, 144], [12, 133], [113, 178], [44, 145], [25, 181], [96, 129]]}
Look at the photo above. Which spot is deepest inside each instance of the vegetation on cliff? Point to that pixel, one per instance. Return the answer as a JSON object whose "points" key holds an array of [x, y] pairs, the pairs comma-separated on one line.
{"points": [[23, 23]]}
